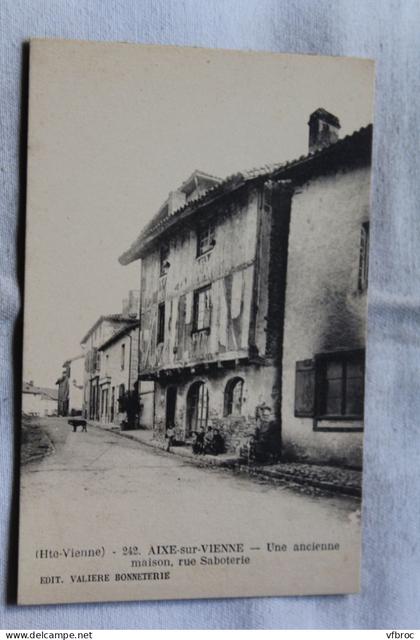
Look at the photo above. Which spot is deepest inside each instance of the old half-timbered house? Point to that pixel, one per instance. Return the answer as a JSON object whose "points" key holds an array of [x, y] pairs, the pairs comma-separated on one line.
{"points": [[217, 336], [212, 286]]}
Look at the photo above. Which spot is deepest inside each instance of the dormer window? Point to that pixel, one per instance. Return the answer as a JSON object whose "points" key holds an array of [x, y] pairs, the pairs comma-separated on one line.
{"points": [[164, 262], [205, 239]]}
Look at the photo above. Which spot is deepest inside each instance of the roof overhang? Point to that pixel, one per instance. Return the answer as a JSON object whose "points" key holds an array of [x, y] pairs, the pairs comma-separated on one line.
{"points": [[348, 151]]}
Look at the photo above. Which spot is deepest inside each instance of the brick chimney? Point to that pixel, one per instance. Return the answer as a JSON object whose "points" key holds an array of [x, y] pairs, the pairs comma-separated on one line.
{"points": [[323, 129]]}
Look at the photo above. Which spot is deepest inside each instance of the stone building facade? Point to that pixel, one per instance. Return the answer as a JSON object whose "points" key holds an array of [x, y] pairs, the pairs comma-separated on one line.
{"points": [[245, 292], [118, 371], [96, 403], [325, 312]]}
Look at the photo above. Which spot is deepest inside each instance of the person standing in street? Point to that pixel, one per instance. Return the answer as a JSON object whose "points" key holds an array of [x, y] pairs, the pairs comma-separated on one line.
{"points": [[170, 435]]}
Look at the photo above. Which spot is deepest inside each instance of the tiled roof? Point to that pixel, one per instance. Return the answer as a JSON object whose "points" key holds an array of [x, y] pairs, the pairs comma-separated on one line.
{"points": [[270, 171], [113, 317], [118, 334], [45, 392], [164, 213]]}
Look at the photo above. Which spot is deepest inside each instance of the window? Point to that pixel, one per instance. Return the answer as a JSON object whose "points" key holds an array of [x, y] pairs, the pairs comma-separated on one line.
{"points": [[161, 323], [363, 257], [330, 387], [122, 357], [121, 399], [340, 379], [202, 309], [205, 239], [234, 397], [197, 407], [164, 263]]}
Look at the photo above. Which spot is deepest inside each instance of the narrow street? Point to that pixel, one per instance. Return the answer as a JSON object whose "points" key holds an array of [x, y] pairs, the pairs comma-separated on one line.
{"points": [[98, 466], [98, 488]]}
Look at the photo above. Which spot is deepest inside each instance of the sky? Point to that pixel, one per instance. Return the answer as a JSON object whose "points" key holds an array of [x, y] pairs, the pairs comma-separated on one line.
{"points": [[114, 127]]}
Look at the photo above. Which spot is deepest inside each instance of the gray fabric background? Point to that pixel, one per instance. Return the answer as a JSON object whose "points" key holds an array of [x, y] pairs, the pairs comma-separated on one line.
{"points": [[388, 31]]}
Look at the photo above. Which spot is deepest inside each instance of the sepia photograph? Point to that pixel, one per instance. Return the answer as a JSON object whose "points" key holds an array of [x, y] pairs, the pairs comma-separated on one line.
{"points": [[196, 277]]}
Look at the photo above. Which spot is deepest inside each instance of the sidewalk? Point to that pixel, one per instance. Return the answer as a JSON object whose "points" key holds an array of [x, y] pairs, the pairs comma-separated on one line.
{"points": [[334, 479], [147, 437], [324, 477]]}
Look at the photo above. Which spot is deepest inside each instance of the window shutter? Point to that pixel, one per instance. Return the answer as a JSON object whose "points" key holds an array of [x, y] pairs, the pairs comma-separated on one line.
{"points": [[305, 389], [207, 309], [364, 257], [181, 324]]}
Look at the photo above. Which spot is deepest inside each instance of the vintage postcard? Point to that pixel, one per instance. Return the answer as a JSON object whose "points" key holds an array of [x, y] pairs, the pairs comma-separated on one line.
{"points": [[195, 323]]}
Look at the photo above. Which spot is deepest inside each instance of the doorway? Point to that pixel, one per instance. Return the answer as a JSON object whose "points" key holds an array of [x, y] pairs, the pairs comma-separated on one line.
{"points": [[104, 405], [112, 403], [170, 406], [197, 407]]}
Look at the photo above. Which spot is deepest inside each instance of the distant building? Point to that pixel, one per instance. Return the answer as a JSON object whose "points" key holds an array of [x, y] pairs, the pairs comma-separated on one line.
{"points": [[38, 401], [70, 387], [253, 300], [101, 395], [63, 393]]}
